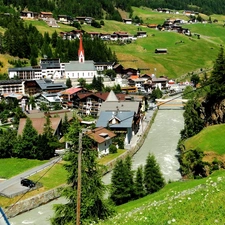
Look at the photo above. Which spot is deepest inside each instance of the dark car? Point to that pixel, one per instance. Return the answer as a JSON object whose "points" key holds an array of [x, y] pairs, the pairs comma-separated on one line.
{"points": [[27, 183]]}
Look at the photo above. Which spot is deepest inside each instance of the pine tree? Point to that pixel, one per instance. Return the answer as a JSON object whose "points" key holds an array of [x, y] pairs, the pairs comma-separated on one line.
{"points": [[122, 184], [93, 207], [26, 145], [68, 83], [153, 178], [139, 183], [217, 79]]}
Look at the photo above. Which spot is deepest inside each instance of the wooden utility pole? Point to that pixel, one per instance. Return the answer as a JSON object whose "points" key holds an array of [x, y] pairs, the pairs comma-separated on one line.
{"points": [[79, 179]]}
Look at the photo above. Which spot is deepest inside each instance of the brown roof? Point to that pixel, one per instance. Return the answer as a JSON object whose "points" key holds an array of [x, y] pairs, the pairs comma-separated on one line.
{"points": [[100, 134], [101, 95], [46, 13], [38, 124]]}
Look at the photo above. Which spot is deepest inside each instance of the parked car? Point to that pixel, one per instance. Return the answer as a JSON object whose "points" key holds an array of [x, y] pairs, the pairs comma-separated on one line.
{"points": [[27, 183]]}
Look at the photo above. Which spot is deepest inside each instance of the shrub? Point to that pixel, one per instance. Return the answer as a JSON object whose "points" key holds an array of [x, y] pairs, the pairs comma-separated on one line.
{"points": [[112, 149]]}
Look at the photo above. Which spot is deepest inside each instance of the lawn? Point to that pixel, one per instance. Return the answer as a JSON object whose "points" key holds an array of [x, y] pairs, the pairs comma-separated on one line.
{"points": [[13, 166], [104, 160], [210, 139]]}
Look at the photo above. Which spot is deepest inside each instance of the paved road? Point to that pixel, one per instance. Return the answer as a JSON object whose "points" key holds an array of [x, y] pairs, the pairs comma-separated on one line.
{"points": [[12, 186]]}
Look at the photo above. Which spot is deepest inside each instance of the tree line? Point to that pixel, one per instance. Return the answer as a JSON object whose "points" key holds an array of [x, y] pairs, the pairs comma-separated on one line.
{"points": [[106, 9]]}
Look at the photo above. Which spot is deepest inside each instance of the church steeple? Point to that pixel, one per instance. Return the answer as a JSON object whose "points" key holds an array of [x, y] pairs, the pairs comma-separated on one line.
{"points": [[81, 51]]}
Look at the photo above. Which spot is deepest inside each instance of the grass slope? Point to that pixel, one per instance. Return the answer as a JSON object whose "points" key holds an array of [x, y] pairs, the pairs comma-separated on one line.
{"points": [[210, 139], [13, 166], [187, 203]]}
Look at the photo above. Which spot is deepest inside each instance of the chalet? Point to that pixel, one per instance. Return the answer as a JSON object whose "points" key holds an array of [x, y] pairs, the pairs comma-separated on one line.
{"points": [[94, 34], [49, 99], [71, 35], [127, 21], [102, 66], [141, 34], [160, 82], [154, 26], [65, 19], [162, 10], [105, 36], [84, 19], [122, 35], [21, 98], [161, 50], [45, 15], [118, 68], [103, 139], [90, 103], [28, 15], [190, 13], [69, 96]]}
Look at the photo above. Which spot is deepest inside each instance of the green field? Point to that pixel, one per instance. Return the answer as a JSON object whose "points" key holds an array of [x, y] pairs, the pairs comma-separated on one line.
{"points": [[210, 139], [13, 166], [188, 203]]}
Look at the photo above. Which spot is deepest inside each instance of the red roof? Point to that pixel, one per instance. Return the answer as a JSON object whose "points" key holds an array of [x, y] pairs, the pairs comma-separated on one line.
{"points": [[71, 91]]}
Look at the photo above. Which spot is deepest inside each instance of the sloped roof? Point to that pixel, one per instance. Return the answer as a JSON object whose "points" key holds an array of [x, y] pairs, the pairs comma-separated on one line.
{"points": [[71, 91], [112, 97], [49, 85], [100, 134], [87, 65], [38, 124], [125, 119], [60, 113], [121, 106]]}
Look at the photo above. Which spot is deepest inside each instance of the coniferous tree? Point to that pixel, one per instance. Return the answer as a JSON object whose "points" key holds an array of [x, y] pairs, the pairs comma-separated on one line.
{"points": [[93, 206], [153, 178], [68, 82], [26, 145], [139, 183], [122, 184]]}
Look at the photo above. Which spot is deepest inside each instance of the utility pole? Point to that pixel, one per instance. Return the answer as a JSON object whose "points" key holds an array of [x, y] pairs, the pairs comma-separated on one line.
{"points": [[79, 179]]}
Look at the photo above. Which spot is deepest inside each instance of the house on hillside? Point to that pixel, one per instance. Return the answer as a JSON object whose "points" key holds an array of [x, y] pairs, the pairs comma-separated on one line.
{"points": [[102, 138], [127, 20], [45, 15], [28, 15], [141, 34]]}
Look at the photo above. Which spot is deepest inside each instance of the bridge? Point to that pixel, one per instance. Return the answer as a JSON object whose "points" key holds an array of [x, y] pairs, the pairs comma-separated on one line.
{"points": [[171, 103]]}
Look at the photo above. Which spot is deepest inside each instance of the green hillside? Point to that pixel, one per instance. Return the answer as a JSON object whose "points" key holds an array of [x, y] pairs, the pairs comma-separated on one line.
{"points": [[195, 202], [210, 139], [190, 54], [185, 54]]}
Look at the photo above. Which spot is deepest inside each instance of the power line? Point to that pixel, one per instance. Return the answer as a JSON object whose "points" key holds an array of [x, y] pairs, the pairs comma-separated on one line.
{"points": [[81, 145]]}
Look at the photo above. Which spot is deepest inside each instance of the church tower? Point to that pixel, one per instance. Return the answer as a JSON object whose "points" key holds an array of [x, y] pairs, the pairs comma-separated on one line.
{"points": [[81, 51]]}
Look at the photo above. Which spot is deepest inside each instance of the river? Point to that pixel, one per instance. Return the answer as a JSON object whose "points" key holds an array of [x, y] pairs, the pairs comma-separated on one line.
{"points": [[161, 141]]}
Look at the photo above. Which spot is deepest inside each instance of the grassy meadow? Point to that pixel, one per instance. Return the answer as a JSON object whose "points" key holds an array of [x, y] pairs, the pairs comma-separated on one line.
{"points": [[13, 166], [188, 203], [209, 139]]}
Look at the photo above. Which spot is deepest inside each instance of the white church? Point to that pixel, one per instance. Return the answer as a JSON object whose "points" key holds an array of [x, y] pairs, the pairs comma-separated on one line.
{"points": [[81, 68]]}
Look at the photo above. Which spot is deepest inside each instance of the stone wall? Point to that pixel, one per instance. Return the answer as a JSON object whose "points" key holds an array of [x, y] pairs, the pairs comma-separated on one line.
{"points": [[31, 203]]}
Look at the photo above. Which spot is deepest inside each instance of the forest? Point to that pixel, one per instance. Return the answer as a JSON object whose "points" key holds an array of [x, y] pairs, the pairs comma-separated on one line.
{"points": [[105, 9]]}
